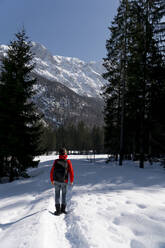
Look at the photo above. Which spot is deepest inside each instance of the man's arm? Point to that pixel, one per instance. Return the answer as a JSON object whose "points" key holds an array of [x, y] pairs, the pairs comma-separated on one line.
{"points": [[71, 172], [51, 173]]}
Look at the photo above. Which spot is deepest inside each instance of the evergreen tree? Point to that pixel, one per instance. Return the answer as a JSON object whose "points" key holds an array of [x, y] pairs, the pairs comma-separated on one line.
{"points": [[145, 68], [135, 68], [97, 139], [19, 120], [78, 137], [114, 91], [48, 139]]}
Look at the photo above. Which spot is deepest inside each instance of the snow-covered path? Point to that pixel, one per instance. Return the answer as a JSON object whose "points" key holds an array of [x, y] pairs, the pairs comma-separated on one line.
{"points": [[109, 207]]}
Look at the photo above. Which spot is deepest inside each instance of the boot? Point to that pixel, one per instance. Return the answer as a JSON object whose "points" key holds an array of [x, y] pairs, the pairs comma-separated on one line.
{"points": [[58, 210], [63, 206]]}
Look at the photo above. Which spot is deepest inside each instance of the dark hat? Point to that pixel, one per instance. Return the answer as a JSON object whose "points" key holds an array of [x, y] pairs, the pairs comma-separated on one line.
{"points": [[62, 151]]}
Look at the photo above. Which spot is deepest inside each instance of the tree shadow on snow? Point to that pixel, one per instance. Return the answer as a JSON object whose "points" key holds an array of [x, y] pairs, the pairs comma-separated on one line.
{"points": [[7, 225], [36, 184], [101, 177]]}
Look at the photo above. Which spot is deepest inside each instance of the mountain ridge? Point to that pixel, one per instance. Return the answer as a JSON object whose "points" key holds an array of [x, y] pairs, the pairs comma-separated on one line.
{"points": [[84, 78], [61, 105], [68, 89]]}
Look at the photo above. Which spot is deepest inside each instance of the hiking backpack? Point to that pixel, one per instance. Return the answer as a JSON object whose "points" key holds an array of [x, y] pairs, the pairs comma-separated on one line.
{"points": [[60, 173]]}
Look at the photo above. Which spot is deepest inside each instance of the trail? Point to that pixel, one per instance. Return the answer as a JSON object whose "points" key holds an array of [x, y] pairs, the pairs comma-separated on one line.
{"points": [[109, 206]]}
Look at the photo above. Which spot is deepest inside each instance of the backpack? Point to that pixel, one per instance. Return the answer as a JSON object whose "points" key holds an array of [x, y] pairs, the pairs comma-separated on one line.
{"points": [[60, 173]]}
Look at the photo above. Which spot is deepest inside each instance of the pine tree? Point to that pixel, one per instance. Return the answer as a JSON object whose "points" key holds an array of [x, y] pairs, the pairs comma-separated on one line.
{"points": [[135, 68], [97, 139], [145, 61], [114, 92], [19, 120]]}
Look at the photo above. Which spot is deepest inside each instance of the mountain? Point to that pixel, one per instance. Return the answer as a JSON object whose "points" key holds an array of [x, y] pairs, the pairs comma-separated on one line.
{"points": [[81, 77], [60, 105], [68, 89]]}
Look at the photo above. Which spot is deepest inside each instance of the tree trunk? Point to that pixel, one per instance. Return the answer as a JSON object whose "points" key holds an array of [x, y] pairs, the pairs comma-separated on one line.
{"points": [[142, 133]]}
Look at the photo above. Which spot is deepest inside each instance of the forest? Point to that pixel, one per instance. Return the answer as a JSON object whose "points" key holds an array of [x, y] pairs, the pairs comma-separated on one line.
{"points": [[135, 70], [134, 97]]}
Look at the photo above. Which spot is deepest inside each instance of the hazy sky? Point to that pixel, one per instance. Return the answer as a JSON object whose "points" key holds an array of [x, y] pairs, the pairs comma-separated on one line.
{"points": [[75, 28]]}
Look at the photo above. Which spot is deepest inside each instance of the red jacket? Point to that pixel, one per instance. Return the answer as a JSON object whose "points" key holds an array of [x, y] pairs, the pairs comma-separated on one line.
{"points": [[70, 169]]}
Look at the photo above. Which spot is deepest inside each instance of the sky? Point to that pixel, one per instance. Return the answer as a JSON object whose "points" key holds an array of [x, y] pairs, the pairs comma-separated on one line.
{"points": [[71, 28]]}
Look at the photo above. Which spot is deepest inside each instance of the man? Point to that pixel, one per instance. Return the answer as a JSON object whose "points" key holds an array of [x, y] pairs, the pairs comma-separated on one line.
{"points": [[59, 178]]}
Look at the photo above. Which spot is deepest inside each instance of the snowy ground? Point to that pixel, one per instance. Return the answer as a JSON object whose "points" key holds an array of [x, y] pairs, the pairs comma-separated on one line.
{"points": [[109, 207]]}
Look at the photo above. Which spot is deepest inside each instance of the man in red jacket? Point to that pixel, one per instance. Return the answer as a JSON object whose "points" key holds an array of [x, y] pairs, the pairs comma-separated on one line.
{"points": [[59, 178]]}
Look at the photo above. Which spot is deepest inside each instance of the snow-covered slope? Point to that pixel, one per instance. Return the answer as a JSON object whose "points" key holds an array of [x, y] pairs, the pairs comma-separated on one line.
{"points": [[109, 207], [58, 104], [67, 88], [81, 77]]}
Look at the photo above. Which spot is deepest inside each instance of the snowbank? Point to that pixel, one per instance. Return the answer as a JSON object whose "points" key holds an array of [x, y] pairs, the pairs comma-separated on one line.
{"points": [[109, 206]]}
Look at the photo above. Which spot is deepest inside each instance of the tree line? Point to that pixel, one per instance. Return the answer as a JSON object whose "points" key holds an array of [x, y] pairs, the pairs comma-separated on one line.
{"points": [[78, 138], [134, 95]]}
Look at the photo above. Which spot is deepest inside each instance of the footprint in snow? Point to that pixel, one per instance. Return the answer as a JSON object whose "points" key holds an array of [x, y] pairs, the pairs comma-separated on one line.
{"points": [[138, 233], [116, 221], [136, 244], [141, 206]]}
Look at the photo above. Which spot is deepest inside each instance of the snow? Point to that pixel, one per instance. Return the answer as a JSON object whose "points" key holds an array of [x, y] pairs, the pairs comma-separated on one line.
{"points": [[84, 78], [109, 206]]}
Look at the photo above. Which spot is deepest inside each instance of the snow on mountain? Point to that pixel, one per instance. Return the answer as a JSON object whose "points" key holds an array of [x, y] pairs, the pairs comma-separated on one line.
{"points": [[58, 103], [81, 77], [3, 49], [67, 88], [84, 78]]}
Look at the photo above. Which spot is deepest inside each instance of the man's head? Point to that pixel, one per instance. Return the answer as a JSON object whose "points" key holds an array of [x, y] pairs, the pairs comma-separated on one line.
{"points": [[62, 151]]}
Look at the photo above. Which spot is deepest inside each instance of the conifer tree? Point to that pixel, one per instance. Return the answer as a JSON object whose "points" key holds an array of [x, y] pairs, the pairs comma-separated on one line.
{"points": [[19, 120], [114, 91], [145, 68], [135, 54]]}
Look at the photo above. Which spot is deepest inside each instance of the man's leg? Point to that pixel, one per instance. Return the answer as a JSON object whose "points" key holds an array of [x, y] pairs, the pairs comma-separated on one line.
{"points": [[57, 199], [57, 193], [64, 191]]}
